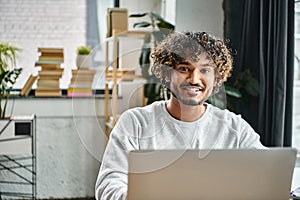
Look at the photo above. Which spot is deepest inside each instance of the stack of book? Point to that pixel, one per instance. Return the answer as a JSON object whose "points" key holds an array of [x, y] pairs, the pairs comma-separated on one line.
{"points": [[50, 61], [81, 83]]}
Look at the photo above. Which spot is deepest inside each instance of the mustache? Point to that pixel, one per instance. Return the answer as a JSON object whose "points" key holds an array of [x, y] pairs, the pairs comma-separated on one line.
{"points": [[186, 84]]}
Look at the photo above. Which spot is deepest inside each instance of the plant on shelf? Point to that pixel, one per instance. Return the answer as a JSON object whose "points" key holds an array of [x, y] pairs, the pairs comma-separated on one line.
{"points": [[160, 29], [8, 74], [83, 59], [244, 86], [84, 50]]}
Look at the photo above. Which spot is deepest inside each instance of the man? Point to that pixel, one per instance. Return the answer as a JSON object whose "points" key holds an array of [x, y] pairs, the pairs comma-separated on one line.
{"points": [[192, 66]]}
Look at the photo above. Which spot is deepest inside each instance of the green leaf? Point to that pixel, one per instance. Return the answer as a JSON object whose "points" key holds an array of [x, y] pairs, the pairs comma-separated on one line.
{"points": [[252, 87], [231, 91], [145, 56], [166, 25], [159, 36], [138, 15], [147, 39], [156, 17], [216, 102], [84, 50], [150, 90], [145, 62], [8, 55], [141, 24]]}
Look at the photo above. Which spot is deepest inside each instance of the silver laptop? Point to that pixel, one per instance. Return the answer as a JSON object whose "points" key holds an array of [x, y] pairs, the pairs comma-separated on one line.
{"points": [[247, 174]]}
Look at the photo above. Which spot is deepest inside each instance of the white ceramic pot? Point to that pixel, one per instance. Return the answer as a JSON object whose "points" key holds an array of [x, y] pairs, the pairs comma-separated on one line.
{"points": [[83, 61]]}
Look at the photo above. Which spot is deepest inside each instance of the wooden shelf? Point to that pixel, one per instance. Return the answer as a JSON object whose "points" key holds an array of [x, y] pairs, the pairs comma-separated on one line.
{"points": [[115, 75]]}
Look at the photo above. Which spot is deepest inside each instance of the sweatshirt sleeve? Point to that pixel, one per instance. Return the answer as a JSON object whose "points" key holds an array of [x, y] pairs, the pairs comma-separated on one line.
{"points": [[112, 178], [249, 138]]}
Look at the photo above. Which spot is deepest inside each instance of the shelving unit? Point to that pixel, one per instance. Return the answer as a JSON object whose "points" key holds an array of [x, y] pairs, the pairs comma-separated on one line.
{"points": [[116, 75], [18, 158]]}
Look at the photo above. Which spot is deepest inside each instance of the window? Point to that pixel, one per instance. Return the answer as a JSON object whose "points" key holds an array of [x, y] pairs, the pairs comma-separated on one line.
{"points": [[296, 100], [296, 111], [297, 21]]}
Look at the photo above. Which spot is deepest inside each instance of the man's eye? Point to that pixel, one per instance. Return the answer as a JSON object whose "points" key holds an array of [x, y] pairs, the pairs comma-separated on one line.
{"points": [[205, 71], [184, 69]]}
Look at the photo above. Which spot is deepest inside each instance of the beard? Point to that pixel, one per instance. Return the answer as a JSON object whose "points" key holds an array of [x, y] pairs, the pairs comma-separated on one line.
{"points": [[189, 101]]}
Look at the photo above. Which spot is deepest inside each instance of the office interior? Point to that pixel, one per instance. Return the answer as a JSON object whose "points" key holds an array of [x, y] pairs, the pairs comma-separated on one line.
{"points": [[70, 132]]}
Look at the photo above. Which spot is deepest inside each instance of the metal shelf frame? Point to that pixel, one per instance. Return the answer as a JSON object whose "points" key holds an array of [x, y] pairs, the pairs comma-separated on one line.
{"points": [[20, 170]]}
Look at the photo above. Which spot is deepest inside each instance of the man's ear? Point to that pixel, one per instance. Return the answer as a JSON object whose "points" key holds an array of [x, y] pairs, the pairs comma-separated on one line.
{"points": [[215, 82], [167, 78], [215, 77]]}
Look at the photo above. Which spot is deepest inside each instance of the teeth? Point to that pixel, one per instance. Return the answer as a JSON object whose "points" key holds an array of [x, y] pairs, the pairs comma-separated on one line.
{"points": [[193, 89]]}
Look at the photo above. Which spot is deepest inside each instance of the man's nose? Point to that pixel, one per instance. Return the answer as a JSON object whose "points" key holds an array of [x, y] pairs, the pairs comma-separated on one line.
{"points": [[194, 77]]}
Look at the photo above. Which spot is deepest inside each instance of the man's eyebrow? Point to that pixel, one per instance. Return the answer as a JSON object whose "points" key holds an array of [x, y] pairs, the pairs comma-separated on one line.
{"points": [[208, 56], [184, 62], [207, 65]]}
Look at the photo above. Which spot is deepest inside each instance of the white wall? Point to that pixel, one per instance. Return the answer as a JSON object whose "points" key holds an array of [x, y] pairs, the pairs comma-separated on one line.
{"points": [[200, 15], [30, 24]]}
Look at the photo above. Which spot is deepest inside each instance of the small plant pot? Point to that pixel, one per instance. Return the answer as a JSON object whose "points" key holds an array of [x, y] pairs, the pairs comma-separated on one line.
{"points": [[83, 61]]}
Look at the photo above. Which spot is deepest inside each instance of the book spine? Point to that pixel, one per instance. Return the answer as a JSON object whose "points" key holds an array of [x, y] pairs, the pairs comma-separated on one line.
{"points": [[79, 94]]}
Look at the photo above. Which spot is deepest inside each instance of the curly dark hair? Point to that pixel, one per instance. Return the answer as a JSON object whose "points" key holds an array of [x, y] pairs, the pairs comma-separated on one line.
{"points": [[189, 45]]}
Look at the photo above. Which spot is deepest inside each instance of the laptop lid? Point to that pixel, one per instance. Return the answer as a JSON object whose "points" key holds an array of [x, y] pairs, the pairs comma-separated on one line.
{"points": [[248, 174]]}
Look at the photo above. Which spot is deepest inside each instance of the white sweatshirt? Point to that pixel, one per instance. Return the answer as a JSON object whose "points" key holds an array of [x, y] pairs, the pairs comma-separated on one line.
{"points": [[152, 127]]}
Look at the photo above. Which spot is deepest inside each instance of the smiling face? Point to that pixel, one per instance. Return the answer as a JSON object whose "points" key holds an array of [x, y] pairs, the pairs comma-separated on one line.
{"points": [[188, 46], [192, 82]]}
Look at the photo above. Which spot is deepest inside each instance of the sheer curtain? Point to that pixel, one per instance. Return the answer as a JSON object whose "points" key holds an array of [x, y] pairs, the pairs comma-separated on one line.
{"points": [[262, 33]]}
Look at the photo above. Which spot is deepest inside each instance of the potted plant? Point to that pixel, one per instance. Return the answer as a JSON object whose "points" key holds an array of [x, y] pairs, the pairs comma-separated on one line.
{"points": [[8, 74], [83, 59], [160, 29], [239, 89]]}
